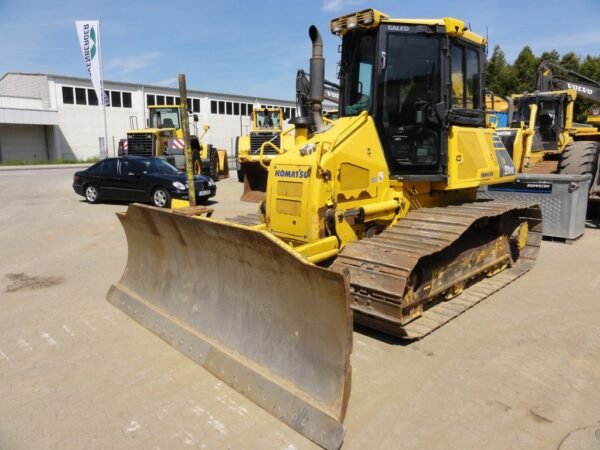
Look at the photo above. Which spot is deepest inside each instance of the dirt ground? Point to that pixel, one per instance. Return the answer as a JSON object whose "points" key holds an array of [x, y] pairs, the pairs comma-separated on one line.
{"points": [[520, 370]]}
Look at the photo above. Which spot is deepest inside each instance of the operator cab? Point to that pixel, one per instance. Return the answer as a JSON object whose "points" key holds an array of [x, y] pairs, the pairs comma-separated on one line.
{"points": [[165, 117], [550, 118], [414, 79]]}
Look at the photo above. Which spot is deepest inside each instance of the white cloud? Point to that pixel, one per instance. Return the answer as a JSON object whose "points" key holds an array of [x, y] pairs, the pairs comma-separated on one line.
{"points": [[132, 63], [338, 5], [172, 81]]}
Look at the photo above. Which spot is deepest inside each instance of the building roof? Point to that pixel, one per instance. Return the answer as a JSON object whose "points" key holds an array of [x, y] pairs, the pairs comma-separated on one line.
{"points": [[152, 86]]}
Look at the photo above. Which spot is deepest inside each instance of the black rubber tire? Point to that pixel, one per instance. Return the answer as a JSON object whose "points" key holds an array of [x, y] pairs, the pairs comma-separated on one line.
{"points": [[91, 193], [161, 198], [213, 163], [196, 162], [579, 158], [238, 165]]}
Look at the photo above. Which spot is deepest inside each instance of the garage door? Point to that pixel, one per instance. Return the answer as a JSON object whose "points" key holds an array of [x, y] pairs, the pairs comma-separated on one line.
{"points": [[23, 142]]}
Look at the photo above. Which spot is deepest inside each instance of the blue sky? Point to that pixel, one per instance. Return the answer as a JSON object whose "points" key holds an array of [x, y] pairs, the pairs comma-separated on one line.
{"points": [[254, 48]]}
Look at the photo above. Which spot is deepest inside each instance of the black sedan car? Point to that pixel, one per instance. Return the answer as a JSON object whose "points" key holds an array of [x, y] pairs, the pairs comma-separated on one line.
{"points": [[139, 179]]}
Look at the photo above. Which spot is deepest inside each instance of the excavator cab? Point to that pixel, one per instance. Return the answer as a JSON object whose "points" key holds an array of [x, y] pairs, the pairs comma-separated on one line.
{"points": [[550, 117]]}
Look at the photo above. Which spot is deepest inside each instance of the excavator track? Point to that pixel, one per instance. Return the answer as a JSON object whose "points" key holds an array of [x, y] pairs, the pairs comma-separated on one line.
{"points": [[436, 263]]}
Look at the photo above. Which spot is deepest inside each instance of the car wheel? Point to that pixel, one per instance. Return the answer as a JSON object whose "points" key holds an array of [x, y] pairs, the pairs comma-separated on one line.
{"points": [[161, 198], [91, 193]]}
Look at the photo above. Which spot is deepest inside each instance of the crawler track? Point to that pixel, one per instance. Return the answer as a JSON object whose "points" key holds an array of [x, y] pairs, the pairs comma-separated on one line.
{"points": [[465, 246], [249, 219]]}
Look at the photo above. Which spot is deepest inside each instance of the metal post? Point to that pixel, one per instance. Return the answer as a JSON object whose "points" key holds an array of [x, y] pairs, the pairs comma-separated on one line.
{"points": [[186, 136], [103, 94]]}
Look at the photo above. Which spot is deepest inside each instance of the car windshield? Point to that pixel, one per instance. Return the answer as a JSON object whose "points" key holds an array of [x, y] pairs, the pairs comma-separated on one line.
{"points": [[155, 166]]}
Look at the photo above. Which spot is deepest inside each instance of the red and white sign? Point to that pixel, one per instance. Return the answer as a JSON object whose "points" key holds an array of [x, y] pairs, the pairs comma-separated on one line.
{"points": [[178, 143]]}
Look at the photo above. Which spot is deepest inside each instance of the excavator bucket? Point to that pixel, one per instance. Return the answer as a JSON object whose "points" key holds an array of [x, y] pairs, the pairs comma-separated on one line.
{"points": [[255, 183], [248, 309]]}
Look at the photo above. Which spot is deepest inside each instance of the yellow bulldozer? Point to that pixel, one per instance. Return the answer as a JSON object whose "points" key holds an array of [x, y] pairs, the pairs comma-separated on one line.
{"points": [[371, 218], [164, 138]]}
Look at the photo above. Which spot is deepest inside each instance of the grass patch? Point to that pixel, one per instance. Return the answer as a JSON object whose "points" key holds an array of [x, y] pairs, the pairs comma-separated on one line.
{"points": [[37, 162]]}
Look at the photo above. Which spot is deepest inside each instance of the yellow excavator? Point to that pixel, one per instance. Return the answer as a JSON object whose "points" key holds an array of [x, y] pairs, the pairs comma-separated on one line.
{"points": [[371, 218], [543, 136]]}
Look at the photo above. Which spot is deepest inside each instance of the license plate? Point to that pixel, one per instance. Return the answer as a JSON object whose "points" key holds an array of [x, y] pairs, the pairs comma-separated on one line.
{"points": [[201, 193]]}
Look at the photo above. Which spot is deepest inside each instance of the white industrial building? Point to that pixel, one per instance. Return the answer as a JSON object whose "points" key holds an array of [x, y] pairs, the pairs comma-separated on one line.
{"points": [[51, 117]]}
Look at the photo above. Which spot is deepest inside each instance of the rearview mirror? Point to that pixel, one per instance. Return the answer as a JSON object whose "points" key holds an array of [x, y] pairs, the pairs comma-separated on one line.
{"points": [[195, 117]]}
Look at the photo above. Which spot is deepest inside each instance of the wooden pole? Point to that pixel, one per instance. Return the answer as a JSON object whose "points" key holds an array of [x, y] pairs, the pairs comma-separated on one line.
{"points": [[189, 170]]}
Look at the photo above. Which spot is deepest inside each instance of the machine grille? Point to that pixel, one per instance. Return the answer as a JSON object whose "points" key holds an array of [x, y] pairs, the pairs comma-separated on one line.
{"points": [[140, 144], [257, 139]]}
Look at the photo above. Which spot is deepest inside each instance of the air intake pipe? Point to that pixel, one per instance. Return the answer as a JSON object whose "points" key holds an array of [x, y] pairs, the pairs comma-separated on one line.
{"points": [[317, 78]]}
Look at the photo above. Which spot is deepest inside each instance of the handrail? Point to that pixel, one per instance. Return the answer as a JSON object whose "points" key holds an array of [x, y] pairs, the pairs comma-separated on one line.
{"points": [[262, 150]]}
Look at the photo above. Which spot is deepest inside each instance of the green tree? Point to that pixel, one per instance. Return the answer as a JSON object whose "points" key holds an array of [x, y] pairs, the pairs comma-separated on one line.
{"points": [[524, 71], [498, 74], [552, 55], [570, 61]]}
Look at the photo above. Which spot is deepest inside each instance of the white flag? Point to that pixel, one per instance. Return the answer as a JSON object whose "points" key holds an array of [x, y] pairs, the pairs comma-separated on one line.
{"points": [[87, 30]]}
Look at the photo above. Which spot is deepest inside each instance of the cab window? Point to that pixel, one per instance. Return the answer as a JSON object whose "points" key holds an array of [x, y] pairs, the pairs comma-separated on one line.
{"points": [[465, 76]]}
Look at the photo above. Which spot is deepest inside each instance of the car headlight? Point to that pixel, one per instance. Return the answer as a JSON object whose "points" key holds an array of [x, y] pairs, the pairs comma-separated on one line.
{"points": [[178, 185], [211, 182]]}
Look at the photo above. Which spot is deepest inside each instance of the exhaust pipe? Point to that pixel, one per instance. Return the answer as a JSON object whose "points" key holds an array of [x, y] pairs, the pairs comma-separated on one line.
{"points": [[317, 78]]}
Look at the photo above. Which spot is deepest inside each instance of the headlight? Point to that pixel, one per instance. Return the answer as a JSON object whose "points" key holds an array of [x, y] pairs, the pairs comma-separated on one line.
{"points": [[211, 182], [178, 185]]}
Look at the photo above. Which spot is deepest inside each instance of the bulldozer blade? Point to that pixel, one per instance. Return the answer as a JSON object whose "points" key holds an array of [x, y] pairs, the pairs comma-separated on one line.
{"points": [[255, 183], [248, 309]]}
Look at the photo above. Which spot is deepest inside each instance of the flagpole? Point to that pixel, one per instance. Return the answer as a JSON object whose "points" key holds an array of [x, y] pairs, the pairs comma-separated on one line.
{"points": [[103, 93]]}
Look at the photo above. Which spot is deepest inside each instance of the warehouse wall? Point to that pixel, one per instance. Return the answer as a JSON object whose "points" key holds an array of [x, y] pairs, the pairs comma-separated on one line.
{"points": [[80, 118]]}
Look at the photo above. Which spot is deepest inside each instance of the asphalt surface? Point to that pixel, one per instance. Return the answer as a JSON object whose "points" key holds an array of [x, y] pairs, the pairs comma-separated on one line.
{"points": [[519, 370]]}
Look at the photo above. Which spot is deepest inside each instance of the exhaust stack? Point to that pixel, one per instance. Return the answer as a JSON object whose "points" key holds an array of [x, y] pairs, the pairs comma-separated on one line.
{"points": [[317, 77]]}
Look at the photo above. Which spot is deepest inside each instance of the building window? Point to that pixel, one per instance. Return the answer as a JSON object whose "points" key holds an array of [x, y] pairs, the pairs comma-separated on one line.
{"points": [[250, 108], [178, 100], [243, 109], [221, 107], [107, 95], [80, 96], [293, 113], [189, 104], [160, 99], [150, 100], [196, 105], [68, 97], [115, 99], [236, 109], [229, 109], [213, 107], [126, 99], [170, 100], [92, 97]]}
